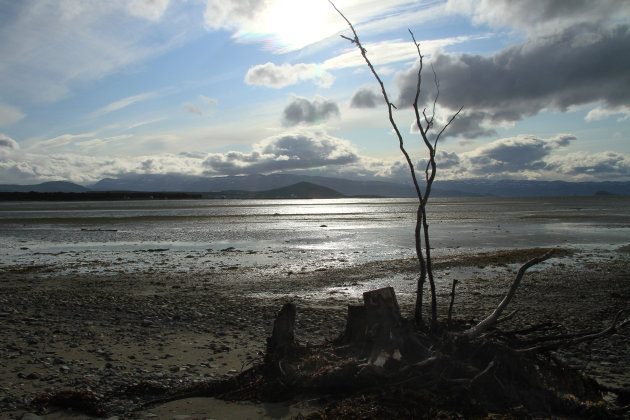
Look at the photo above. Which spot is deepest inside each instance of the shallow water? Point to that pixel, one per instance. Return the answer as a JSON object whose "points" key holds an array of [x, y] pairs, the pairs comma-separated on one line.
{"points": [[290, 235]]}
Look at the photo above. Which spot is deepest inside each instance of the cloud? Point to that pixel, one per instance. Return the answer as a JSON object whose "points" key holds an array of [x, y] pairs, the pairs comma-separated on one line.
{"points": [[553, 72], [365, 97], [7, 143], [538, 16], [61, 140], [520, 157], [301, 149], [124, 103], [516, 154], [390, 51], [50, 46], [9, 115], [232, 14], [279, 76], [204, 107], [309, 150], [29, 168], [601, 113], [289, 25], [147, 9], [608, 165], [303, 111]]}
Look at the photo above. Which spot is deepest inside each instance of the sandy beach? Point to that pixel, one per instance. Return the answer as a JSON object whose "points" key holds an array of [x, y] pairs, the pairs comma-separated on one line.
{"points": [[106, 333]]}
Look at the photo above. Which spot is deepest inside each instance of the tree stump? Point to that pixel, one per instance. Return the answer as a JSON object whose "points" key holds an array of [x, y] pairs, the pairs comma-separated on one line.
{"points": [[281, 344], [355, 333]]}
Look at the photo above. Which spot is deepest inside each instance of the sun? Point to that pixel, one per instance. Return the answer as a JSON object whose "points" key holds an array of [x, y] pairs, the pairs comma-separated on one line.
{"points": [[289, 25]]}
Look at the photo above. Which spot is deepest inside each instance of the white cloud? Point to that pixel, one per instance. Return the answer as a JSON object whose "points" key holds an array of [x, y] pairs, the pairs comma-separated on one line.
{"points": [[279, 76], [9, 115], [522, 157], [49, 46], [147, 9], [59, 141], [124, 102], [30, 168], [202, 107], [601, 113], [289, 25], [391, 51], [592, 166]]}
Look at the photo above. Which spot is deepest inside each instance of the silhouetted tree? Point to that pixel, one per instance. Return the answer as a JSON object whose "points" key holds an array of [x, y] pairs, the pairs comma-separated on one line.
{"points": [[425, 124]]}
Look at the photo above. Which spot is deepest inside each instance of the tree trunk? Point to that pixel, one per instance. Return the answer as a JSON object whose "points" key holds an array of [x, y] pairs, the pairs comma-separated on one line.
{"points": [[281, 344]]}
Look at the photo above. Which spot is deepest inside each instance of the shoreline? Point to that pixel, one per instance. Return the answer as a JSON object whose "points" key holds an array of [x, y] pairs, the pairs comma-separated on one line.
{"points": [[102, 333]]}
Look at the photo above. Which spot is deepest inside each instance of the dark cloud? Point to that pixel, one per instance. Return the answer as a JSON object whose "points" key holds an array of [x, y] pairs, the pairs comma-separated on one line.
{"points": [[582, 64], [365, 98], [536, 15], [7, 143], [516, 154], [519, 157], [301, 150], [469, 124], [303, 111]]}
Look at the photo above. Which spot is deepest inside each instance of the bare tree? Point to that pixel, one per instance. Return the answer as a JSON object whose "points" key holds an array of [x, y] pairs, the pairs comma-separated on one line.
{"points": [[425, 124]]}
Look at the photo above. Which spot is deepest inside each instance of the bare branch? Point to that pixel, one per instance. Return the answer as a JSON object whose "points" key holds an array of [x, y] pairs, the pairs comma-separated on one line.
{"points": [[446, 126], [574, 339], [390, 106], [478, 329], [437, 94], [450, 307], [470, 381]]}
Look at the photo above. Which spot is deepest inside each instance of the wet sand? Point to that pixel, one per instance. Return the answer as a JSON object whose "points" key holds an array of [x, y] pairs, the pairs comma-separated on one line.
{"points": [[103, 333]]}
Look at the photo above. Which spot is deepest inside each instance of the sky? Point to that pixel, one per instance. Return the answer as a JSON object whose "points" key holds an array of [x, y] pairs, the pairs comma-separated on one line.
{"points": [[93, 89]]}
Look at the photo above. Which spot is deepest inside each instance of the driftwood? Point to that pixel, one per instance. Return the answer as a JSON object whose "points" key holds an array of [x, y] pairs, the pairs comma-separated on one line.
{"points": [[492, 319], [473, 370]]}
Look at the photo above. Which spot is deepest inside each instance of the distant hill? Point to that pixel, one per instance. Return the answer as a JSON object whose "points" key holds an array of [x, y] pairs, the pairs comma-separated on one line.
{"points": [[93, 196], [346, 187], [52, 186], [522, 188], [299, 190], [189, 183]]}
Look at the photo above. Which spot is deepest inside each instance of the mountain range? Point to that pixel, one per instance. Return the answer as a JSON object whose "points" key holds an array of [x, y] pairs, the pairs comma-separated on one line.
{"points": [[248, 185]]}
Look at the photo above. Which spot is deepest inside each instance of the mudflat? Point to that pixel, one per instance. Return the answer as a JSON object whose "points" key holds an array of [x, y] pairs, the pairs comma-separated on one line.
{"points": [[107, 333]]}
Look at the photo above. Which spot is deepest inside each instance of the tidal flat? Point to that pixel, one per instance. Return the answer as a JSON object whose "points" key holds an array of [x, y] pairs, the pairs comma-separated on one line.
{"points": [[101, 297], [106, 333]]}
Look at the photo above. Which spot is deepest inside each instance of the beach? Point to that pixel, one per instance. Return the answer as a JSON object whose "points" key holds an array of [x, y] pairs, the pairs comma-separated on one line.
{"points": [[103, 297], [106, 333]]}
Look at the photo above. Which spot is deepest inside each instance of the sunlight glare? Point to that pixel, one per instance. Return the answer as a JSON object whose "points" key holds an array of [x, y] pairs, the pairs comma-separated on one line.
{"points": [[291, 25]]}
